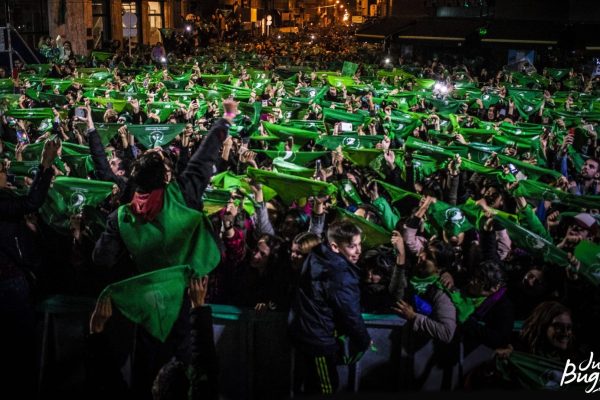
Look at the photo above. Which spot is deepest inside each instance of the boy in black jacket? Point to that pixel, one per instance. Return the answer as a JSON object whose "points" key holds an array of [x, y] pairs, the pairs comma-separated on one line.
{"points": [[326, 306]]}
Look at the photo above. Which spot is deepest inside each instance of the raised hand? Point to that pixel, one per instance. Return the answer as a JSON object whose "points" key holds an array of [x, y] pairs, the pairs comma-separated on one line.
{"points": [[197, 291], [101, 314], [50, 152], [405, 309]]}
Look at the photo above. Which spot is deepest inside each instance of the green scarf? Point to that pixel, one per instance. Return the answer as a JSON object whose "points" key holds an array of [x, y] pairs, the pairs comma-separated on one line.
{"points": [[465, 306], [177, 236], [420, 285]]}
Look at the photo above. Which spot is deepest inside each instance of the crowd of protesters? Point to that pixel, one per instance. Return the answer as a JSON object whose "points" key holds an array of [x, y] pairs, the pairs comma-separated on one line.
{"points": [[477, 192]]}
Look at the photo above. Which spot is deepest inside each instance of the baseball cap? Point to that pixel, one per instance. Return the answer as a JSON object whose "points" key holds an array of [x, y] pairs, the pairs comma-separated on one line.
{"points": [[586, 221]]}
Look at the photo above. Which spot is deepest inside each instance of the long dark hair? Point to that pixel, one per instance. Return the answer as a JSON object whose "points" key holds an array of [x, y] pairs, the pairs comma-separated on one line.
{"points": [[536, 325]]}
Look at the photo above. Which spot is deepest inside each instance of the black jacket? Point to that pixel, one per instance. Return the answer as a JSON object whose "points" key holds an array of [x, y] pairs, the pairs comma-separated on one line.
{"points": [[13, 252], [103, 364], [193, 181], [492, 329], [327, 302]]}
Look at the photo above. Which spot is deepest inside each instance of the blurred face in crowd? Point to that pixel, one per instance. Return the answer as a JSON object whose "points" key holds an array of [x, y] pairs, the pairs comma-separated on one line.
{"points": [[289, 228], [296, 255], [373, 277], [115, 166], [349, 250], [475, 287], [560, 331], [260, 255], [533, 282], [454, 240], [493, 197], [590, 170], [491, 113], [426, 265], [577, 230]]}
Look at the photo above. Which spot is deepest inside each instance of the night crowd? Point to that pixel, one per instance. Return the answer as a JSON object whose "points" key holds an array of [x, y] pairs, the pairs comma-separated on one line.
{"points": [[475, 194]]}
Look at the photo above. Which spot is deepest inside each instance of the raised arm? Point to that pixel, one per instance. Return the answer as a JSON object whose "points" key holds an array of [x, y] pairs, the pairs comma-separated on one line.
{"points": [[196, 176], [14, 208]]}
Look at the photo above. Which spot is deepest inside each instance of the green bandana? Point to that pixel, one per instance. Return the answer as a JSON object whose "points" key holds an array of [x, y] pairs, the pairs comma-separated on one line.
{"points": [[420, 285], [178, 235]]}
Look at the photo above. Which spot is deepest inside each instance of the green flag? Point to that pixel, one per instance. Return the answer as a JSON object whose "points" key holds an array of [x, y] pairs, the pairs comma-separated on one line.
{"points": [[423, 166], [475, 213], [290, 187], [6, 85], [300, 136], [527, 105], [229, 181], [107, 132], [73, 149], [442, 153], [331, 114], [538, 190], [588, 254], [424, 83], [48, 98], [80, 166], [348, 192], [152, 300], [536, 244], [372, 234], [428, 148], [24, 168], [339, 81], [332, 142], [522, 129], [40, 69], [280, 165], [532, 171], [101, 55], [163, 109], [465, 305], [488, 99], [69, 196], [349, 68], [58, 84], [445, 106], [214, 200], [8, 100], [558, 73], [117, 104], [532, 371], [31, 113], [178, 235], [448, 218], [296, 157], [397, 193], [309, 125], [151, 136], [361, 157]]}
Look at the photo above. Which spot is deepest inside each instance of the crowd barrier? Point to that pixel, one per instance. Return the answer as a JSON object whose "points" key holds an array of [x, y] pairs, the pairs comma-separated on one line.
{"points": [[256, 359]]}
